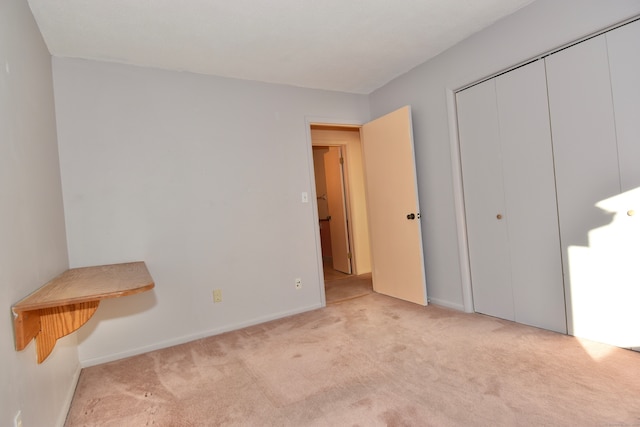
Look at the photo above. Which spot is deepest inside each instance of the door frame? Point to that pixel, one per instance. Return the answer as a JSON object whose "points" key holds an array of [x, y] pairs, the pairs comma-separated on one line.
{"points": [[323, 121], [458, 200]]}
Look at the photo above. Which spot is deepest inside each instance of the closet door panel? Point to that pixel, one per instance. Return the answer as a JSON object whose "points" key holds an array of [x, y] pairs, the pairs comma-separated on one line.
{"points": [[530, 196], [624, 64], [616, 248], [587, 173], [624, 233], [484, 200]]}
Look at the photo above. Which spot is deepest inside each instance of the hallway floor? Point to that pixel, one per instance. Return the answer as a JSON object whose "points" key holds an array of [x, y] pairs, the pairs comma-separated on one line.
{"points": [[341, 287]]}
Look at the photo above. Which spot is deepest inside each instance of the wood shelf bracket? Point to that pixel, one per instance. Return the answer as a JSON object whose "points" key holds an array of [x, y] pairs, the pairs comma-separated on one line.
{"points": [[67, 302]]}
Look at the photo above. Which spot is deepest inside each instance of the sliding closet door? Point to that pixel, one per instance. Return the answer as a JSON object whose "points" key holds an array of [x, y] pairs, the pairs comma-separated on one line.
{"points": [[510, 202], [624, 65], [481, 158], [587, 174], [530, 195]]}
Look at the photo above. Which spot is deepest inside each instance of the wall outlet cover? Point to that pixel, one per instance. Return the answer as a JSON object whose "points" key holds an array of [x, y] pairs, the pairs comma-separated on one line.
{"points": [[217, 295]]}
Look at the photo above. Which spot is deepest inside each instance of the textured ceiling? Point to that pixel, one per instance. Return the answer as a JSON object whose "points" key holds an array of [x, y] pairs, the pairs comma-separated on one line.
{"points": [[344, 45]]}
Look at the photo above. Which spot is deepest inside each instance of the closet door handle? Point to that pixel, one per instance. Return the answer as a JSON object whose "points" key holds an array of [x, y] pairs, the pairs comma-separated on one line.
{"points": [[499, 216]]}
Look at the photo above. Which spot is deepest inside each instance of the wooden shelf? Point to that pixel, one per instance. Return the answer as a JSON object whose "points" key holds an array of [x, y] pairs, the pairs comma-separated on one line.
{"points": [[67, 302]]}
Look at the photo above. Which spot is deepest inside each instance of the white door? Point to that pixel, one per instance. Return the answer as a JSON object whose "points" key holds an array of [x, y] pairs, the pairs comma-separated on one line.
{"points": [[337, 210], [483, 183], [624, 64], [393, 209], [510, 199], [588, 181], [530, 196]]}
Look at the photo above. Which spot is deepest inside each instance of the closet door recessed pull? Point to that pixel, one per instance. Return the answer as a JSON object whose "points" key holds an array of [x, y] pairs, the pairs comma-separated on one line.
{"points": [[499, 216]]}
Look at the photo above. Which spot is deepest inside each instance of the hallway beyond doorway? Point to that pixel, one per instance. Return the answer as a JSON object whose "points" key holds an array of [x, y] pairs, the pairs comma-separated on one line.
{"points": [[339, 287]]}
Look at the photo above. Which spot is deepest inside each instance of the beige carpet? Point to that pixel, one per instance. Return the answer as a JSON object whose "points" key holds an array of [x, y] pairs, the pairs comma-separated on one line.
{"points": [[369, 361]]}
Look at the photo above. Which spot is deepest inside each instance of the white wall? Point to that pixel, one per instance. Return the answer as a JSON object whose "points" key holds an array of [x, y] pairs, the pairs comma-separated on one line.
{"points": [[533, 30], [199, 176], [33, 246]]}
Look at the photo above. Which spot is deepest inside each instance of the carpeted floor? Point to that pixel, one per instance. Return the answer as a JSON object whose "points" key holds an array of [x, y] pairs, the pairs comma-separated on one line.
{"points": [[369, 361], [346, 288]]}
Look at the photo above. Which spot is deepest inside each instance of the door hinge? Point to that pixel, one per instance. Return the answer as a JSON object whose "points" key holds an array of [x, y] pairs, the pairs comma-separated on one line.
{"points": [[342, 160], [349, 255]]}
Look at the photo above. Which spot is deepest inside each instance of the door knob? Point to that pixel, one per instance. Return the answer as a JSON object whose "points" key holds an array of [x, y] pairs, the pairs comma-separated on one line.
{"points": [[499, 216], [631, 212], [411, 216]]}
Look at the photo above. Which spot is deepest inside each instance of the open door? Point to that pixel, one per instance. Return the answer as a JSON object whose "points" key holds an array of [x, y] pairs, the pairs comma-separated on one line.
{"points": [[337, 210], [392, 201]]}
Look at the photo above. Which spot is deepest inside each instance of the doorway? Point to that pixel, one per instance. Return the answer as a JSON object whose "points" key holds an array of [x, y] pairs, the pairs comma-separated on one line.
{"points": [[342, 215], [387, 225]]}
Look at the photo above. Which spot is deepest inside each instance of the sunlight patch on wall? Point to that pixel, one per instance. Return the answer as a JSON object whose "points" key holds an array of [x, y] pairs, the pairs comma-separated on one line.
{"points": [[605, 277]]}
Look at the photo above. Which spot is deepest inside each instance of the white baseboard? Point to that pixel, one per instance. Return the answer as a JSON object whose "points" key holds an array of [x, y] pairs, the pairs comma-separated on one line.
{"points": [[192, 337], [448, 304], [66, 406]]}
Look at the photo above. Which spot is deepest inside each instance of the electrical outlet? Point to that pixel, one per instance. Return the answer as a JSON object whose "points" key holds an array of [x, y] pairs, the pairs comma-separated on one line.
{"points": [[217, 295], [17, 420], [298, 283]]}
